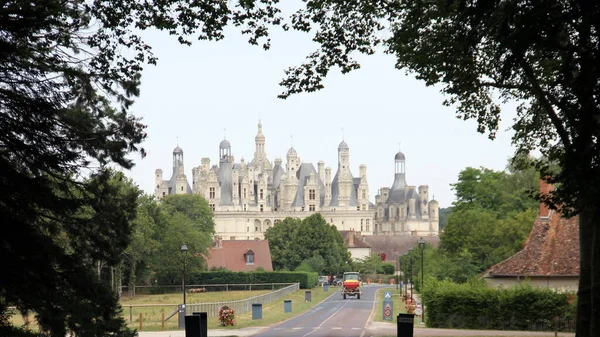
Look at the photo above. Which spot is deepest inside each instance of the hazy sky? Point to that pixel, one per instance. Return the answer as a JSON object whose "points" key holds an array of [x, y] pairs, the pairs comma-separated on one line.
{"points": [[194, 93]]}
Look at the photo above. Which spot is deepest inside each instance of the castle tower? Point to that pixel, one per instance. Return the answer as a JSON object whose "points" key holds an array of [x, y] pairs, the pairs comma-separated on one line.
{"points": [[292, 162], [344, 176], [424, 198], [225, 173], [259, 143], [224, 151], [177, 160], [363, 189], [434, 208]]}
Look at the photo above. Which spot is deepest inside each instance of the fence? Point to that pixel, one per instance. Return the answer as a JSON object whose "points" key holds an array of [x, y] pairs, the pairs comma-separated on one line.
{"points": [[242, 306], [155, 290]]}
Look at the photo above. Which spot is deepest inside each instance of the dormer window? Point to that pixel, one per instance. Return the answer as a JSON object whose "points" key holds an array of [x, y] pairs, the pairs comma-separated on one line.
{"points": [[249, 257]]}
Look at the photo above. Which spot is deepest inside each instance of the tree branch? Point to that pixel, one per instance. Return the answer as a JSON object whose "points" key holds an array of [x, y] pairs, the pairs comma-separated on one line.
{"points": [[545, 103]]}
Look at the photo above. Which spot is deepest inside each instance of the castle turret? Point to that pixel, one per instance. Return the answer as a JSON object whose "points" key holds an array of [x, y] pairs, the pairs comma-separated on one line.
{"points": [[424, 199], [342, 182], [327, 183]]}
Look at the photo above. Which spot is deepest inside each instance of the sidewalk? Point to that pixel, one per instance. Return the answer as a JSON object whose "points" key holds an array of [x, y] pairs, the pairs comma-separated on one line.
{"points": [[214, 332]]}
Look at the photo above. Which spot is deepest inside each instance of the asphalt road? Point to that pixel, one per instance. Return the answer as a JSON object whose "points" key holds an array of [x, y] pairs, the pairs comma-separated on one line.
{"points": [[334, 317]]}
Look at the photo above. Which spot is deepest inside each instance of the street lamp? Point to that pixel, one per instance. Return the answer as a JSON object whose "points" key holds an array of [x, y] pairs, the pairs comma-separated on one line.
{"points": [[411, 271], [422, 246], [184, 250]]}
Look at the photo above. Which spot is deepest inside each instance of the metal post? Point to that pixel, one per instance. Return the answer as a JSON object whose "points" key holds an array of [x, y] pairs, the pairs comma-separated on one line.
{"points": [[184, 250]]}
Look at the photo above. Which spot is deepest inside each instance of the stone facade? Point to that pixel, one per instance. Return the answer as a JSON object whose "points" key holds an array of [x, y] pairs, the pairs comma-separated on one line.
{"points": [[248, 198], [403, 209]]}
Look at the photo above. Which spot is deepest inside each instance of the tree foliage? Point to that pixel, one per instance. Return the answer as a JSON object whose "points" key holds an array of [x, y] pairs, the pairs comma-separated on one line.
{"points": [[159, 231], [490, 220], [294, 241]]}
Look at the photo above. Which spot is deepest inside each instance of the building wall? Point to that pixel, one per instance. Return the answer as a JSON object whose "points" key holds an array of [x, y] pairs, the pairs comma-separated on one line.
{"points": [[359, 253], [250, 225], [559, 283]]}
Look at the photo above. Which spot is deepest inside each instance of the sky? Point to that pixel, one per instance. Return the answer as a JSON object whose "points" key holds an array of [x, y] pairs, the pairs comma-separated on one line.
{"points": [[197, 96]]}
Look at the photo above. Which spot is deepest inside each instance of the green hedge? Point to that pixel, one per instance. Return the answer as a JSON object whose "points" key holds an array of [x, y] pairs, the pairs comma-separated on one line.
{"points": [[474, 305], [307, 280]]}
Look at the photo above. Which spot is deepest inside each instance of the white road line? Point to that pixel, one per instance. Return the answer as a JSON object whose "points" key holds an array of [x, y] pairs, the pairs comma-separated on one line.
{"points": [[297, 328], [328, 318], [356, 328], [336, 328]]}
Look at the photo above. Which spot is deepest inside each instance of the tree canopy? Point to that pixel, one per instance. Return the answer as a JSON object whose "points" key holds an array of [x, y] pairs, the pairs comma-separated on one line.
{"points": [[294, 241], [491, 217]]}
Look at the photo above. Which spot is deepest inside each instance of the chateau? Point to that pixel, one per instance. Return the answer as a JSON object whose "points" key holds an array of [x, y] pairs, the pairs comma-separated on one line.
{"points": [[248, 198]]}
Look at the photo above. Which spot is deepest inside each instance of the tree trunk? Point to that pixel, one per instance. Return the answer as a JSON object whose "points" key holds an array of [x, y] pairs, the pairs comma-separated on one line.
{"points": [[588, 295], [131, 285]]}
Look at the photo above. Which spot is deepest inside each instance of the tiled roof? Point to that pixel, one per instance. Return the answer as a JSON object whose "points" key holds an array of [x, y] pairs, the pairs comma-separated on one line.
{"points": [[395, 245], [552, 249], [231, 253], [356, 243]]}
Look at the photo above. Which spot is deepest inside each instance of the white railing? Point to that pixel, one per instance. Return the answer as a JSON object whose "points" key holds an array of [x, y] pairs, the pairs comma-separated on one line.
{"points": [[241, 306]]}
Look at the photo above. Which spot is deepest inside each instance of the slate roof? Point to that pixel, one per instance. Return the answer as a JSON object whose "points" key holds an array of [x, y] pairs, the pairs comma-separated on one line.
{"points": [[335, 192], [231, 255], [303, 173], [552, 249]]}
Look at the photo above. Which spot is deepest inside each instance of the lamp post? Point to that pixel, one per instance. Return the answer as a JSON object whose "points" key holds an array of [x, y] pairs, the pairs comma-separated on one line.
{"points": [[422, 246], [411, 271], [184, 250]]}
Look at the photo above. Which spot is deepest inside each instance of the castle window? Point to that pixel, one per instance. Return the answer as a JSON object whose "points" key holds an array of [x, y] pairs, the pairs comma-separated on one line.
{"points": [[361, 222], [364, 207], [157, 186], [261, 194], [211, 193], [368, 228], [311, 194], [247, 229], [364, 194], [212, 207], [182, 188], [311, 208], [361, 227], [164, 194], [367, 223], [393, 227], [244, 193], [261, 208], [244, 207], [302, 209], [358, 208]]}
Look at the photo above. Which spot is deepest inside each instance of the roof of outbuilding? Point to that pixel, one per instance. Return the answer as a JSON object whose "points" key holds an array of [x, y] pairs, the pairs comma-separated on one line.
{"points": [[552, 249]]}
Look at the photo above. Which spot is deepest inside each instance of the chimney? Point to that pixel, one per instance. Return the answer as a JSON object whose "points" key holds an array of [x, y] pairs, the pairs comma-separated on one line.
{"points": [[545, 189], [351, 238], [218, 242]]}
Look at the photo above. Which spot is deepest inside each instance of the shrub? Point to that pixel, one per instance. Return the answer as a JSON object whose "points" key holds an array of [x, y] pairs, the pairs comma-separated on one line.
{"points": [[226, 316]]}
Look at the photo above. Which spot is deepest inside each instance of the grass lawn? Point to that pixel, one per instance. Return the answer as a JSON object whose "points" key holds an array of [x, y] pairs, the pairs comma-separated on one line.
{"points": [[398, 305], [153, 307], [273, 312]]}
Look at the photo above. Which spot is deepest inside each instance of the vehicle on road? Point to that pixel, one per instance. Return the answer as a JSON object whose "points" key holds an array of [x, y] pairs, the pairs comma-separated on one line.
{"points": [[351, 285]]}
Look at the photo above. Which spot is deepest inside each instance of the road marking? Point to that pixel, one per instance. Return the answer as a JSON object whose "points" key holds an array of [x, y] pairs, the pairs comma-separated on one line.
{"points": [[356, 328], [297, 328], [328, 318], [336, 328]]}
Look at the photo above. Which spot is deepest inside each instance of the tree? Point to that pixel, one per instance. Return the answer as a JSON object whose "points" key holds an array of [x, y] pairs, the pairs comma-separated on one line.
{"points": [[294, 241], [176, 220], [544, 55], [491, 218]]}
